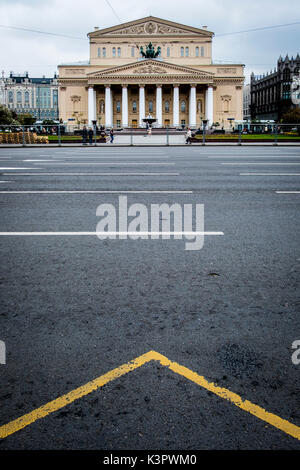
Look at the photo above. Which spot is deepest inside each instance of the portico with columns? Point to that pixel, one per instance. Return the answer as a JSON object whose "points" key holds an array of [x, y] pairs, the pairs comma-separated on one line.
{"points": [[175, 96], [179, 88]]}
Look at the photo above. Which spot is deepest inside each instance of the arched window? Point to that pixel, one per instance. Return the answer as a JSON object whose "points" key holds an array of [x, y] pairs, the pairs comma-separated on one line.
{"points": [[187, 52], [202, 51], [10, 97], [118, 106], [103, 51], [183, 107], [168, 52], [134, 108], [167, 106], [26, 96], [182, 51], [99, 51], [132, 51], [114, 52], [19, 96], [119, 52], [150, 107], [197, 51]]}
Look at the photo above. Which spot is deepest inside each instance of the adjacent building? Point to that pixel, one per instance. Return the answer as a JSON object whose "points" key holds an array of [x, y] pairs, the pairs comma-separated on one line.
{"points": [[271, 93], [247, 103], [36, 96], [176, 82]]}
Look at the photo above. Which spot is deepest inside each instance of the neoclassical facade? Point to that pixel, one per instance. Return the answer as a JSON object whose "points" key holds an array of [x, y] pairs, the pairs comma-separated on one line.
{"points": [[118, 87]]}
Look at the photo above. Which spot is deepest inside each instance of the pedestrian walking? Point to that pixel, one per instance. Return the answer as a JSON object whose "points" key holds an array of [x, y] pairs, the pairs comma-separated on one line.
{"points": [[90, 136], [111, 133], [84, 135], [149, 132], [188, 136]]}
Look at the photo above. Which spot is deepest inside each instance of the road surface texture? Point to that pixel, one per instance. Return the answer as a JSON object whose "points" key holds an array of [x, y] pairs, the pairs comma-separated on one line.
{"points": [[74, 308]]}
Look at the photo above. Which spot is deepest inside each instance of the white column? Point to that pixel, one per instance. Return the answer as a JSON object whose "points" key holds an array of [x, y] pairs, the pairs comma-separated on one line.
{"points": [[124, 106], [108, 107], [91, 106], [192, 107], [209, 105], [176, 106], [141, 106], [159, 105], [95, 104]]}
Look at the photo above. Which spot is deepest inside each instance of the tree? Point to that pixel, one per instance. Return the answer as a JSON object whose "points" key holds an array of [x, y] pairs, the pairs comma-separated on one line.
{"points": [[8, 117], [26, 119], [292, 116]]}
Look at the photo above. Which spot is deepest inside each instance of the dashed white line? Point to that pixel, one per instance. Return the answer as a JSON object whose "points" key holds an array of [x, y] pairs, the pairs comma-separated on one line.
{"points": [[99, 192]]}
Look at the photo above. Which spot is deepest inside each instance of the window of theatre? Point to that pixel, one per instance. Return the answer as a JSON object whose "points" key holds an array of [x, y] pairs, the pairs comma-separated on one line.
{"points": [[150, 107], [132, 51], [197, 51], [187, 52], [118, 107], [99, 51], [167, 106], [134, 107], [182, 52], [183, 106], [119, 52], [168, 52], [104, 52], [114, 52]]}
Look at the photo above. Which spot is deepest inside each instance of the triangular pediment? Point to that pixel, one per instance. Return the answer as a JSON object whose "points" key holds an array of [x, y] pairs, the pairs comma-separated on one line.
{"points": [[151, 26], [151, 67]]}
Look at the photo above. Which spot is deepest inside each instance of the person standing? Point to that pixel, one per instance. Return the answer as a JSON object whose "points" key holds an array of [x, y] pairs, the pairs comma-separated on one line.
{"points": [[111, 133], [90, 136], [188, 136], [84, 135]]}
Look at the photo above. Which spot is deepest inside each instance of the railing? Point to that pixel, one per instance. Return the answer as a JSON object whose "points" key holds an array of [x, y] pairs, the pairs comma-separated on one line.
{"points": [[273, 134]]}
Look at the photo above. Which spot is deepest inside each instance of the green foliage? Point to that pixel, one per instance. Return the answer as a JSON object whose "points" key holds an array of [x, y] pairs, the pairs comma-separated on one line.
{"points": [[8, 117], [26, 119], [291, 117]]}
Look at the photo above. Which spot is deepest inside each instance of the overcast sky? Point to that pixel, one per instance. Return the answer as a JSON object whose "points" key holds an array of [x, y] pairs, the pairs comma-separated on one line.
{"points": [[39, 54]]}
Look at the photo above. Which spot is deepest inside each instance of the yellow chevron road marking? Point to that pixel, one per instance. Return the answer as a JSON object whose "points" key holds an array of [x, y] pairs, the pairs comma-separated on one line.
{"points": [[84, 390]]}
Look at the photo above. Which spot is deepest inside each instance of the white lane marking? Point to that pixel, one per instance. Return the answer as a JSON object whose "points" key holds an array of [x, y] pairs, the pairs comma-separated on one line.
{"points": [[253, 156], [260, 163], [18, 168], [92, 174], [269, 174], [106, 233], [99, 192], [111, 163], [85, 157], [39, 160], [7, 182], [287, 192]]}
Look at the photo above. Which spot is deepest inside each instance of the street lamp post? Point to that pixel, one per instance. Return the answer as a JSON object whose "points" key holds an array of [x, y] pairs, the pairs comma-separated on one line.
{"points": [[205, 121]]}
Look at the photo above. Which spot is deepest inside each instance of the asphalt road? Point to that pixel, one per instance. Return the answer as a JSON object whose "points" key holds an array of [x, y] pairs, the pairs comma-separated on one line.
{"points": [[73, 308]]}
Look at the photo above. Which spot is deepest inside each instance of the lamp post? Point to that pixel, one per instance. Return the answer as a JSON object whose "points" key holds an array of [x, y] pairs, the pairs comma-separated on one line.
{"points": [[94, 122], [205, 121]]}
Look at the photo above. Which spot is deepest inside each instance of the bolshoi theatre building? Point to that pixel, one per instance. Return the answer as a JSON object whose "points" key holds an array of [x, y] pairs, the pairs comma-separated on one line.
{"points": [[150, 66]]}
